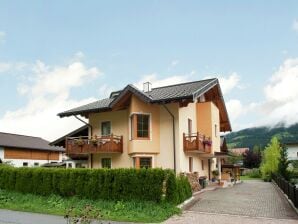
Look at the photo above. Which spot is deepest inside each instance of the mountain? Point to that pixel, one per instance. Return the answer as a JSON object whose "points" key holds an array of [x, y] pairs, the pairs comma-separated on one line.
{"points": [[261, 136]]}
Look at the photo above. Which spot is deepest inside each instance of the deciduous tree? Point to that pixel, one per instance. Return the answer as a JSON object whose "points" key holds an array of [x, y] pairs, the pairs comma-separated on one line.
{"points": [[271, 158]]}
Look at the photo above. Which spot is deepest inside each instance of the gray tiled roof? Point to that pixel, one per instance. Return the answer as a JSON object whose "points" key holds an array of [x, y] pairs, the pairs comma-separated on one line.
{"points": [[26, 142], [183, 90], [166, 93], [94, 106]]}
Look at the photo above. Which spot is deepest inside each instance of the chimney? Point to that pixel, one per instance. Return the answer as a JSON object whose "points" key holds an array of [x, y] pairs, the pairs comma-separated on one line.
{"points": [[147, 87]]}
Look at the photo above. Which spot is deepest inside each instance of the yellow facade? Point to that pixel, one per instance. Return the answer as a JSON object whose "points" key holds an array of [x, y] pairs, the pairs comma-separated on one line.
{"points": [[204, 117]]}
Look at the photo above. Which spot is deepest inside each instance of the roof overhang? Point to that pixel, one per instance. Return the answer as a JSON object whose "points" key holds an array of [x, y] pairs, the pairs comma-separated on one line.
{"points": [[212, 92]]}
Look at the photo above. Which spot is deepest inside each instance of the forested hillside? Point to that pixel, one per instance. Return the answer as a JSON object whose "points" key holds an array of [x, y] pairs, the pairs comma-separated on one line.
{"points": [[261, 136]]}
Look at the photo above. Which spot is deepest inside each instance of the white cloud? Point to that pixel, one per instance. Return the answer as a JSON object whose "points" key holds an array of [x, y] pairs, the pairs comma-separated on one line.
{"points": [[281, 104], [157, 82], [105, 90], [2, 36], [4, 67], [295, 25], [174, 63], [235, 109], [229, 83], [47, 90]]}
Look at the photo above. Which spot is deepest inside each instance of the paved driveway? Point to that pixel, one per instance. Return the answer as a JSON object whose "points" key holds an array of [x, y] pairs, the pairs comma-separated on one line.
{"points": [[250, 202]]}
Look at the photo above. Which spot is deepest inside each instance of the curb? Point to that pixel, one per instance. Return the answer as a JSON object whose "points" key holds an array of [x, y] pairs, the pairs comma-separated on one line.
{"points": [[286, 196], [189, 202]]}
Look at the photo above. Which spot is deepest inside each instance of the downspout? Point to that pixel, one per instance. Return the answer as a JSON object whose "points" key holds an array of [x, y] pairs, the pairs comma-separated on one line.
{"points": [[91, 133], [174, 138]]}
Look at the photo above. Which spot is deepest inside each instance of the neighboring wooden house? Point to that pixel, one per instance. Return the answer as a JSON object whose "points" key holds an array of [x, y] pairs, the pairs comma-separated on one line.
{"points": [[28, 151], [239, 151], [176, 127]]}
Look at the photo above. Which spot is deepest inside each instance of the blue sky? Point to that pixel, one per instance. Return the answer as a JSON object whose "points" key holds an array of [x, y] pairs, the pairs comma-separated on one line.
{"points": [[252, 47]]}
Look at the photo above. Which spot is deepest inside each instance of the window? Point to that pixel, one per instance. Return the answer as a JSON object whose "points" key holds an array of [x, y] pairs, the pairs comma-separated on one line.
{"points": [[25, 164], [69, 165], [202, 161], [140, 126], [189, 126], [105, 128], [36, 164], [190, 161], [106, 163], [145, 162]]}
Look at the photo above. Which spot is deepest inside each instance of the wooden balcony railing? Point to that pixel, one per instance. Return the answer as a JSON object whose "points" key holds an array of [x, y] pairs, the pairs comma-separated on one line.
{"points": [[86, 145], [196, 142]]}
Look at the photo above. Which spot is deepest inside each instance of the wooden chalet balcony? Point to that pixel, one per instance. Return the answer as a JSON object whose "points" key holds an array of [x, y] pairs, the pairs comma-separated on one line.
{"points": [[196, 142], [87, 145]]}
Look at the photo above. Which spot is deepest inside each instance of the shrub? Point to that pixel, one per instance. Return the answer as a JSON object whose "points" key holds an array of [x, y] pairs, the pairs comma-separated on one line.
{"points": [[109, 184], [254, 173], [184, 188], [178, 188], [171, 188]]}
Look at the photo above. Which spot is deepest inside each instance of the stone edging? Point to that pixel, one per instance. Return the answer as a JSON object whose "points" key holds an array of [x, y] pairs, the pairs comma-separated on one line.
{"points": [[194, 198]]}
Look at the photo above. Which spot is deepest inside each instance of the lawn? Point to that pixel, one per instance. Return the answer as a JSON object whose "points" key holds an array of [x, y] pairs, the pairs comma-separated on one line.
{"points": [[249, 178], [133, 211]]}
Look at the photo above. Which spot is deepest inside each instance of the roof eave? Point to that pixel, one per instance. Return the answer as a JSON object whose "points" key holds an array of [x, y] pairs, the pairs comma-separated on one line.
{"points": [[81, 112]]}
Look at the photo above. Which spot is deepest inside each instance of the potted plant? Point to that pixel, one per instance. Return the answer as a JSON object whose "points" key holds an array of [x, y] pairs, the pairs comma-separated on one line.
{"points": [[207, 142], [79, 141], [215, 174], [94, 140]]}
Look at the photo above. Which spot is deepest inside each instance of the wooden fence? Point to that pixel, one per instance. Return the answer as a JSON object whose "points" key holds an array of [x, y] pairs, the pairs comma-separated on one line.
{"points": [[289, 189]]}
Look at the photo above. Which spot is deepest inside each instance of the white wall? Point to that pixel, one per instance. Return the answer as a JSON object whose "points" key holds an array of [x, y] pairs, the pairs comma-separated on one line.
{"points": [[19, 162], [186, 113], [1, 153], [165, 158], [292, 152]]}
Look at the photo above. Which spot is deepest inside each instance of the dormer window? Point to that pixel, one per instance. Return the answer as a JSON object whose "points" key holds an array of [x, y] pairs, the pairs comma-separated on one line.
{"points": [[140, 126]]}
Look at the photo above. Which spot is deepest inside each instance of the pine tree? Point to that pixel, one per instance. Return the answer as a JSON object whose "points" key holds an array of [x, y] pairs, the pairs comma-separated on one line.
{"points": [[284, 163]]}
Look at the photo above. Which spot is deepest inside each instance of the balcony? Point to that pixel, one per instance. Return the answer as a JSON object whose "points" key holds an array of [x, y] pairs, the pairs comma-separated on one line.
{"points": [[196, 142], [87, 145]]}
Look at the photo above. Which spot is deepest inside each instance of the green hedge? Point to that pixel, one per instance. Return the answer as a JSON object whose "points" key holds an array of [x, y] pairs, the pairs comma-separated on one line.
{"points": [[178, 189], [109, 184]]}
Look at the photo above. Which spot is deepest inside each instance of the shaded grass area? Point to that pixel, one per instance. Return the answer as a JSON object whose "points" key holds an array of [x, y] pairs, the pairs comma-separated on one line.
{"points": [[134, 211], [249, 178]]}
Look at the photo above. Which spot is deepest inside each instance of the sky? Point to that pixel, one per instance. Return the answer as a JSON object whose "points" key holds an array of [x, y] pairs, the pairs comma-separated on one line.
{"points": [[56, 55]]}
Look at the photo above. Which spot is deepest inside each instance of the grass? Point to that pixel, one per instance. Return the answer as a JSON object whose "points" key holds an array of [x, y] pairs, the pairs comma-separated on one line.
{"points": [[133, 211], [249, 178]]}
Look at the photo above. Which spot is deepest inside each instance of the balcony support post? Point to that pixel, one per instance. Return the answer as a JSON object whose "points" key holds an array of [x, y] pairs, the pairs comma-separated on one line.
{"points": [[198, 141]]}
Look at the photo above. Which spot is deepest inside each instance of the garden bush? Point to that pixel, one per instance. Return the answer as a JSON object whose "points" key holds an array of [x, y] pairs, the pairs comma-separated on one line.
{"points": [[178, 188], [254, 173], [107, 184]]}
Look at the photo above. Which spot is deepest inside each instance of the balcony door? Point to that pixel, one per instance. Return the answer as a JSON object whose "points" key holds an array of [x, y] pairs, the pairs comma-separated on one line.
{"points": [[106, 128]]}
